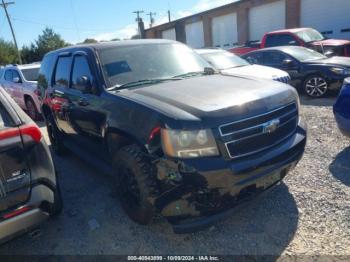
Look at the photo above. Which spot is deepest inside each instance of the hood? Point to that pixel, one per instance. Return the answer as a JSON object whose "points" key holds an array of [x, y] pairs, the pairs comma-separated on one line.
{"points": [[331, 42], [212, 100], [256, 71], [333, 61]]}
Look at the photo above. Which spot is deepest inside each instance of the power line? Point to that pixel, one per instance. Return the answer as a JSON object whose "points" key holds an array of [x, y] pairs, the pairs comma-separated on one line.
{"points": [[59, 26], [75, 20], [5, 5]]}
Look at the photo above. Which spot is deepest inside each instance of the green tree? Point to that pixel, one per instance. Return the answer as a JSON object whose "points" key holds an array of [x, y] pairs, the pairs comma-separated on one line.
{"points": [[90, 41], [46, 42], [8, 53]]}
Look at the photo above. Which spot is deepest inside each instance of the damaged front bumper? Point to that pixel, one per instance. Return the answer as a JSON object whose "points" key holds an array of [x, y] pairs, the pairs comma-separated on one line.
{"points": [[198, 192]]}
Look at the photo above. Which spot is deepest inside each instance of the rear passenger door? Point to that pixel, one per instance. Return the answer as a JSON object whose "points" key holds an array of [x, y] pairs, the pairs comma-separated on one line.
{"points": [[60, 99]]}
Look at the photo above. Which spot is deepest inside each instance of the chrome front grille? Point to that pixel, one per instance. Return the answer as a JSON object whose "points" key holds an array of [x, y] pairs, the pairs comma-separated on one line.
{"points": [[258, 133], [285, 79]]}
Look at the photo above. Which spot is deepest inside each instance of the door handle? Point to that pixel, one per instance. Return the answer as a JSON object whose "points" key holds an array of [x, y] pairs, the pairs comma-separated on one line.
{"points": [[83, 102]]}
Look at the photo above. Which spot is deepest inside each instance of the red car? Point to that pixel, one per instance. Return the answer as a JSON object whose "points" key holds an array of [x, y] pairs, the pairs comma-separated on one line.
{"points": [[306, 37]]}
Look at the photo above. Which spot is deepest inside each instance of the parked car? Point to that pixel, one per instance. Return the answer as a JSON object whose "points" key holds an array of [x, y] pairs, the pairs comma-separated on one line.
{"points": [[230, 64], [342, 109], [178, 139], [20, 81], [315, 73], [29, 190], [306, 37]]}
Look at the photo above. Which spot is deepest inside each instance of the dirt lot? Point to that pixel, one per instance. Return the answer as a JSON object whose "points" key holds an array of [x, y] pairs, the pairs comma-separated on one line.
{"points": [[308, 214]]}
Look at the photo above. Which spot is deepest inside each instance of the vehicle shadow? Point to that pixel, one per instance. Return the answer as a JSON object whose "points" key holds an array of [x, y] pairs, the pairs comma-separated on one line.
{"points": [[93, 222], [340, 167], [327, 101]]}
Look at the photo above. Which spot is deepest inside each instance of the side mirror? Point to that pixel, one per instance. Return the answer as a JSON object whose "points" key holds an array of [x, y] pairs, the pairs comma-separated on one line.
{"points": [[16, 80], [288, 63], [209, 71], [84, 84]]}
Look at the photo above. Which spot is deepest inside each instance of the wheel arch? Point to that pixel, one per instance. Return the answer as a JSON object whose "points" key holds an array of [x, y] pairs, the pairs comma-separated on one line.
{"points": [[116, 138]]}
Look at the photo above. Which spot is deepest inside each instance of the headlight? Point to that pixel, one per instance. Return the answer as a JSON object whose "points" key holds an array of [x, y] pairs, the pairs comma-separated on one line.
{"points": [[189, 144], [340, 71]]}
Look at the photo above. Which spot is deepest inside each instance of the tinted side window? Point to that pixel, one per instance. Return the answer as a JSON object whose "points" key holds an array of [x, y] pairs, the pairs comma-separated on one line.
{"points": [[45, 72], [255, 58], [63, 71], [80, 68], [280, 40], [8, 75], [274, 58], [287, 40]]}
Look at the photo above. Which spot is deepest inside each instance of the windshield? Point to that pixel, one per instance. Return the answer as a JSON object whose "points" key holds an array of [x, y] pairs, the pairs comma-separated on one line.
{"points": [[126, 64], [304, 54], [224, 60], [31, 74], [310, 35]]}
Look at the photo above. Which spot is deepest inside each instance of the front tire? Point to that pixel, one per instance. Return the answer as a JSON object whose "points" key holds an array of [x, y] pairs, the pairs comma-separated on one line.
{"points": [[315, 86], [136, 184]]}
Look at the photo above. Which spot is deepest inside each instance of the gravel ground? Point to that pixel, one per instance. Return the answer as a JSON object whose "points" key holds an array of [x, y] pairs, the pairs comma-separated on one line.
{"points": [[307, 214]]}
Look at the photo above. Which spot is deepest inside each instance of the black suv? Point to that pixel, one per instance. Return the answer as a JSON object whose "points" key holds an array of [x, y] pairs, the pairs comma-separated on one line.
{"points": [[178, 138]]}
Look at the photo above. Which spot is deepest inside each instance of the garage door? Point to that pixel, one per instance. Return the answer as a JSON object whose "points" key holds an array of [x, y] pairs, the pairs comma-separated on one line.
{"points": [[169, 34], [195, 35], [329, 17], [224, 31], [266, 18]]}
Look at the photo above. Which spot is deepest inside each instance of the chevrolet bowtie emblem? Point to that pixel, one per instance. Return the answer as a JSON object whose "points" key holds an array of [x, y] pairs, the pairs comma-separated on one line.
{"points": [[271, 126]]}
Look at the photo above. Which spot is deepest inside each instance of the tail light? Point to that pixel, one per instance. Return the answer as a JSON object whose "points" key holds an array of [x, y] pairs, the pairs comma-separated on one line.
{"points": [[30, 133]]}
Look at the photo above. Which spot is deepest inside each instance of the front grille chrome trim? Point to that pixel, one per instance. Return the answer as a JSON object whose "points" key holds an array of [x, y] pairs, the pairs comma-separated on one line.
{"points": [[258, 134], [259, 150], [245, 119]]}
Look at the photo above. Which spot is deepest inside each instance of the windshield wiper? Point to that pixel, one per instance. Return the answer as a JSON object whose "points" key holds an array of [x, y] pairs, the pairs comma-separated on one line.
{"points": [[142, 82], [207, 71]]}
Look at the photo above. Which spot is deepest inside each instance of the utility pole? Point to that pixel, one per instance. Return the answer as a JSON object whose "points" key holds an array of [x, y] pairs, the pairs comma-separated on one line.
{"points": [[138, 20], [169, 16], [151, 19], [4, 5]]}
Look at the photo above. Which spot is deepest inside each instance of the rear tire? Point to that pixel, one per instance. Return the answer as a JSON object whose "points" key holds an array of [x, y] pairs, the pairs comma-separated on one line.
{"points": [[31, 109], [57, 206], [136, 184], [55, 136], [315, 86]]}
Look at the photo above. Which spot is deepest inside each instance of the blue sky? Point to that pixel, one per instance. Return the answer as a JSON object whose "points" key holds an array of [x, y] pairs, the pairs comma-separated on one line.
{"points": [[76, 20]]}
